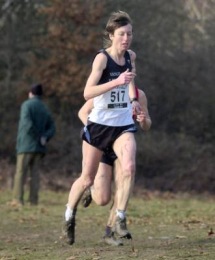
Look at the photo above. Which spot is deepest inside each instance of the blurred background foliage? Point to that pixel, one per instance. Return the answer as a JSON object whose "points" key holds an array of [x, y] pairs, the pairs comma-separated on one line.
{"points": [[54, 42]]}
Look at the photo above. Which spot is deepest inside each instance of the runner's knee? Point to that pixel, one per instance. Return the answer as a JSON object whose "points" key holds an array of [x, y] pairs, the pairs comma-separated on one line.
{"points": [[101, 199]]}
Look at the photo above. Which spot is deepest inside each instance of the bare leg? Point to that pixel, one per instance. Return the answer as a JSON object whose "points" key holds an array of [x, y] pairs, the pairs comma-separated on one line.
{"points": [[125, 148], [109, 236], [117, 174], [101, 189], [112, 216], [91, 158]]}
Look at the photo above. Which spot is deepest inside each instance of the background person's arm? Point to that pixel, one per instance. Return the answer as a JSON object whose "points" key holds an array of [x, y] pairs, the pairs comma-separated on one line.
{"points": [[85, 110], [143, 118]]}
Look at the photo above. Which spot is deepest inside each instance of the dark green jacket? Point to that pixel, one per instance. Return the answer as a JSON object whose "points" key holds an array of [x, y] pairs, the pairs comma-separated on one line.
{"points": [[35, 121]]}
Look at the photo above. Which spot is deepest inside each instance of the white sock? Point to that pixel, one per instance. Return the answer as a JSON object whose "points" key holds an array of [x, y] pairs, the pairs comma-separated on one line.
{"points": [[68, 213], [120, 213]]}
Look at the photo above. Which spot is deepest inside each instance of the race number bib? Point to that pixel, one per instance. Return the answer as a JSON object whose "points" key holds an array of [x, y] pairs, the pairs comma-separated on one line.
{"points": [[118, 98]]}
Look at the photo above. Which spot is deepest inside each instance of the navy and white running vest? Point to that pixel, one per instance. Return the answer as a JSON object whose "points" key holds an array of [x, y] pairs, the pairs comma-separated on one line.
{"points": [[113, 108]]}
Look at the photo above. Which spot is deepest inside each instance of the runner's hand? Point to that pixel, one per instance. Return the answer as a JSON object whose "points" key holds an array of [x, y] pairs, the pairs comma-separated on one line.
{"points": [[125, 77], [141, 117], [136, 107]]}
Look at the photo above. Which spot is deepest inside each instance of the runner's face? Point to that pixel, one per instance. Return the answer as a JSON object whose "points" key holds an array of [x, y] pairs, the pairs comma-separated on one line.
{"points": [[122, 37]]}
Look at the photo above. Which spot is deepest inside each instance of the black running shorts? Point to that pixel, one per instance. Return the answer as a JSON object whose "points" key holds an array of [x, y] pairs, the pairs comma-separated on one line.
{"points": [[109, 157], [102, 136]]}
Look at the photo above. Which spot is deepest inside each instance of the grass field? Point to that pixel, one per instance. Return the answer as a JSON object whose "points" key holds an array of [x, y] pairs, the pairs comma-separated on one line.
{"points": [[164, 227]]}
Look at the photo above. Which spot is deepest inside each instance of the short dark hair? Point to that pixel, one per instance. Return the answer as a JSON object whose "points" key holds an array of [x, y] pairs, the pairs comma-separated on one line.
{"points": [[116, 20], [37, 89]]}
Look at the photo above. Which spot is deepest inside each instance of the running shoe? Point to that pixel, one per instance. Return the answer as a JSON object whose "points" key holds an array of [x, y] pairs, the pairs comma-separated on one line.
{"points": [[110, 239], [70, 230], [87, 198], [121, 228]]}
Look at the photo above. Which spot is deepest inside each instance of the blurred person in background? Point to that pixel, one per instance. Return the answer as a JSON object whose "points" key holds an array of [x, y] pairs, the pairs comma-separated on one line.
{"points": [[36, 128]]}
